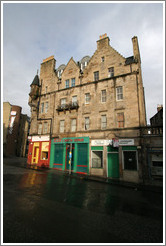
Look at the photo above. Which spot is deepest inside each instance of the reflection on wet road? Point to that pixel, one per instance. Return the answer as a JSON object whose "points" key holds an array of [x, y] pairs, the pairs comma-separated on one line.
{"points": [[50, 207]]}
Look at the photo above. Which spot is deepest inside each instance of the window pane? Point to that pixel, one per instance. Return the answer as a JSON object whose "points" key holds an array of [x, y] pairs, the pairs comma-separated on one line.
{"points": [[67, 83], [103, 121], [46, 107], [73, 82], [96, 75], [86, 123], [119, 93], [42, 107], [130, 160], [87, 98], [40, 129], [97, 159], [62, 124], [111, 72], [73, 125], [74, 100], [63, 102], [103, 95]]}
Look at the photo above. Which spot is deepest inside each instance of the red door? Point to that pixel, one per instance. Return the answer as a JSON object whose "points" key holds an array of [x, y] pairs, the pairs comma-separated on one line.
{"points": [[30, 148]]}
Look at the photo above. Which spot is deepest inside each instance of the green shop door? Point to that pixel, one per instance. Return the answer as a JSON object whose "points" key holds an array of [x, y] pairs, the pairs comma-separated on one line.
{"points": [[113, 165]]}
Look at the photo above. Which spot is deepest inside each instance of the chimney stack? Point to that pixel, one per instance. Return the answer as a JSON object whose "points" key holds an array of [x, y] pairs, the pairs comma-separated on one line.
{"points": [[103, 41]]}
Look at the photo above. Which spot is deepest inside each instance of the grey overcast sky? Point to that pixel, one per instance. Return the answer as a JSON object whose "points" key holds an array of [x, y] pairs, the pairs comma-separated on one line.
{"points": [[35, 31]]}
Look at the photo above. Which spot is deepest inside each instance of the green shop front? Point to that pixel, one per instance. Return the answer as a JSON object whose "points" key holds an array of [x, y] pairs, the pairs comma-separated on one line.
{"points": [[70, 154]]}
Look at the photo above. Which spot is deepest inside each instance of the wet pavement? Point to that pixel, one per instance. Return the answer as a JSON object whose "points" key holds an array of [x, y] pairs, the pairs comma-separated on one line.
{"points": [[51, 207]]}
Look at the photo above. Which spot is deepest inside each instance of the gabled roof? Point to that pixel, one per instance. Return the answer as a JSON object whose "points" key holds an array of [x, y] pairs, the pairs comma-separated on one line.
{"points": [[35, 81]]}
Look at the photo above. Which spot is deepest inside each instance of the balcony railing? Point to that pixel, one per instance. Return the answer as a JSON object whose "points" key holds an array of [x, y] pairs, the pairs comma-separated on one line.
{"points": [[69, 106], [152, 130]]}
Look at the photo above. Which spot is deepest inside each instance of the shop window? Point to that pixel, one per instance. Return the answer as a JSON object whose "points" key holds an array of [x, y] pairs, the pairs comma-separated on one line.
{"points": [[103, 96], [120, 120], [87, 98], [103, 121], [111, 72], [96, 76], [44, 151], [67, 83], [87, 123], [72, 82], [39, 128], [62, 126], [130, 160], [44, 155], [97, 159], [73, 125], [119, 93], [42, 107], [46, 107]]}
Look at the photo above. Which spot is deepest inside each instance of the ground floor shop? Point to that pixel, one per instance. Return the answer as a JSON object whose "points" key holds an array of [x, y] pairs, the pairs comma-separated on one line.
{"points": [[39, 151], [116, 159], [70, 154]]}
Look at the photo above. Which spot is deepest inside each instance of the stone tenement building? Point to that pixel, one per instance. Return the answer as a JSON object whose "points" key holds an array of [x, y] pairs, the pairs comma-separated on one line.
{"points": [[86, 115], [15, 131]]}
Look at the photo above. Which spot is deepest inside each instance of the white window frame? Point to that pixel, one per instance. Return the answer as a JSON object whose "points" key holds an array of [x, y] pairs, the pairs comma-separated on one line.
{"points": [[62, 126], [45, 128], [88, 124], [46, 107], [95, 77], [40, 128], [42, 108], [74, 100], [103, 97], [111, 72], [63, 102], [118, 94], [67, 83], [136, 160], [102, 158], [87, 98], [104, 122], [73, 79], [73, 126]]}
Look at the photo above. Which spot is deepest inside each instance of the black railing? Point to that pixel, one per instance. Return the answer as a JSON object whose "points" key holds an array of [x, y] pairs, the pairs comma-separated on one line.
{"points": [[152, 130], [69, 106]]}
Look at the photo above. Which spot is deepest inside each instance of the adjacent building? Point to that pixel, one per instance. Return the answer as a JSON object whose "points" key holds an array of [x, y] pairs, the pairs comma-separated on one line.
{"points": [[86, 115], [15, 131]]}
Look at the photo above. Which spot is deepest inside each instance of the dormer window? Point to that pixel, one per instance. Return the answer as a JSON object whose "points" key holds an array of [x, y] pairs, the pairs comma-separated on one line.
{"points": [[83, 65], [60, 73]]}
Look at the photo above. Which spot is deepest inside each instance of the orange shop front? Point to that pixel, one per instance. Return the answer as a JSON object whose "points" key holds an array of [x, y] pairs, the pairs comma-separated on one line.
{"points": [[39, 151]]}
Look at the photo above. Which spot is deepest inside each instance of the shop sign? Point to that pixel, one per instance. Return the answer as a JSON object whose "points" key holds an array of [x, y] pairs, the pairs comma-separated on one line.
{"points": [[40, 138], [45, 146], [101, 142], [115, 142], [126, 142], [72, 140]]}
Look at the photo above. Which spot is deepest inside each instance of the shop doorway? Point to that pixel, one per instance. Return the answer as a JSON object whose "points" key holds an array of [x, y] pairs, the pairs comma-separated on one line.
{"points": [[69, 148], [35, 156], [113, 165]]}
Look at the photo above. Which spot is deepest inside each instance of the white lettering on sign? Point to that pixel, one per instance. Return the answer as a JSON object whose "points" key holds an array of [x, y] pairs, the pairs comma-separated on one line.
{"points": [[126, 142], [101, 142], [40, 138]]}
